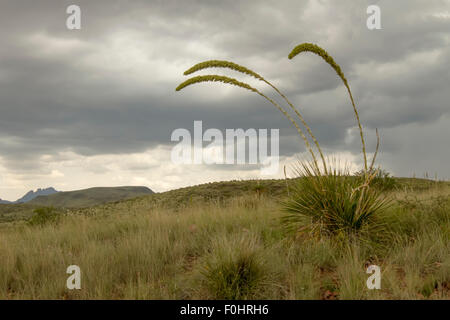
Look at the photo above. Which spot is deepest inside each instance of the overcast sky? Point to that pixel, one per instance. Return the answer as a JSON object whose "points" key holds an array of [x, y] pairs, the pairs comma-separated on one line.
{"points": [[97, 106]]}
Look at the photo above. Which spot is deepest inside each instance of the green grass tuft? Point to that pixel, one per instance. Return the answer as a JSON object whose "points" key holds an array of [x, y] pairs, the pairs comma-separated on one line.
{"points": [[234, 270]]}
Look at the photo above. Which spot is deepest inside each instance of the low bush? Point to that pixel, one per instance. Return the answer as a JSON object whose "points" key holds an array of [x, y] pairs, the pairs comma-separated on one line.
{"points": [[44, 215]]}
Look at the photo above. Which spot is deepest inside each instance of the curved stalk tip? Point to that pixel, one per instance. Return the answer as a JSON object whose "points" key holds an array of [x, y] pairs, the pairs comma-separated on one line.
{"points": [[310, 47], [232, 81], [242, 69]]}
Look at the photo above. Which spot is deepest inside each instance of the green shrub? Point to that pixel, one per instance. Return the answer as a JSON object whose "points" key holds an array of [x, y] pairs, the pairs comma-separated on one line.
{"points": [[382, 179], [44, 215]]}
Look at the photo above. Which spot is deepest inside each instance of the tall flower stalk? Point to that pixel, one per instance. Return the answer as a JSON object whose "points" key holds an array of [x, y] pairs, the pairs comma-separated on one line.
{"points": [[310, 47], [304, 47], [232, 81], [239, 68]]}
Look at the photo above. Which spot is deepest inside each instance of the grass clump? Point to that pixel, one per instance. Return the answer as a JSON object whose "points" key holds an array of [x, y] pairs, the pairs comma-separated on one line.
{"points": [[233, 270]]}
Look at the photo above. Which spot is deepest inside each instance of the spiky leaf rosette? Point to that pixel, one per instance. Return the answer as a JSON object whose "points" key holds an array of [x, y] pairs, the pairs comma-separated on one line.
{"points": [[328, 204]]}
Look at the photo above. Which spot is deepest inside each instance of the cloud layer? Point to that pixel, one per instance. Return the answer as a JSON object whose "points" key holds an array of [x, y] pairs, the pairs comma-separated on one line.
{"points": [[97, 106]]}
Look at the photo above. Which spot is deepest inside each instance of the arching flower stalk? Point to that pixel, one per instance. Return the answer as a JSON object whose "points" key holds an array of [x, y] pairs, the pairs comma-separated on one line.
{"points": [[232, 81], [242, 69], [310, 47], [305, 47]]}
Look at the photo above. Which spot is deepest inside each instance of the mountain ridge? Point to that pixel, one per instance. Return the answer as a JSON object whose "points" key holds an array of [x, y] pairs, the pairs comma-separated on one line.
{"points": [[90, 196], [30, 195], [5, 201]]}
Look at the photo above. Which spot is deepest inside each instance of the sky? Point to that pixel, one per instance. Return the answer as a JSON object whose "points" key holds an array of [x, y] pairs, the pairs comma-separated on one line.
{"points": [[97, 106]]}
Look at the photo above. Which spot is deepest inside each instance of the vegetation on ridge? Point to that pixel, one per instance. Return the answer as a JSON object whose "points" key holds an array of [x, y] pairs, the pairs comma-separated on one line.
{"points": [[154, 248]]}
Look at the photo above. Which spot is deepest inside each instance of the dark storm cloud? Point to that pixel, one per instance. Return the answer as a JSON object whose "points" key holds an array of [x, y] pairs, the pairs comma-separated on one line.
{"points": [[64, 90]]}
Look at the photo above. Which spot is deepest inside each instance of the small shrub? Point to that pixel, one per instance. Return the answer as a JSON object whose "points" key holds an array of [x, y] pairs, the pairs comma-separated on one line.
{"points": [[382, 180], [44, 215], [259, 189]]}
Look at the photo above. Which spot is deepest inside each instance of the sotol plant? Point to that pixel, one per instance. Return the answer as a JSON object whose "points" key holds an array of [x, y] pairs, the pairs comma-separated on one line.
{"points": [[328, 198]]}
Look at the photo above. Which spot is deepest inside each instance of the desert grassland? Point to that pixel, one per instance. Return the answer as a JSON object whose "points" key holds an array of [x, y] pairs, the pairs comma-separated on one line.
{"points": [[235, 248]]}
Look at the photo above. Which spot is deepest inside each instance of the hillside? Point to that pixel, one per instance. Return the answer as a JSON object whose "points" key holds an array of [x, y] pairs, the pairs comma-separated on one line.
{"points": [[15, 211], [89, 197], [224, 192], [116, 199], [187, 243]]}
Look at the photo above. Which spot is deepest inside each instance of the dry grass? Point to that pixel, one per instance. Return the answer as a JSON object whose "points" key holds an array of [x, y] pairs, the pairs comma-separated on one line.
{"points": [[233, 249]]}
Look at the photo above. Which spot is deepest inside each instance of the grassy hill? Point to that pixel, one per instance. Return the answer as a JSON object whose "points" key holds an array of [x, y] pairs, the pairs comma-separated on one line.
{"points": [[225, 240], [222, 192], [11, 212], [121, 198], [89, 197], [71, 199]]}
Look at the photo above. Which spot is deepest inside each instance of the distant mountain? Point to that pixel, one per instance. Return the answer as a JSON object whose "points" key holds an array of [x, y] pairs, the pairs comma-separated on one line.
{"points": [[34, 194], [30, 195], [90, 197]]}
